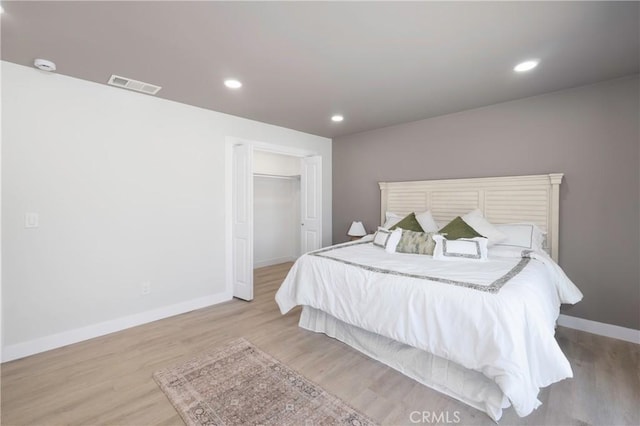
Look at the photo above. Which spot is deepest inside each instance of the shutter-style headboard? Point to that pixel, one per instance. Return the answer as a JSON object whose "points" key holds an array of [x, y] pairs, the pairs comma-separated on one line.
{"points": [[509, 199]]}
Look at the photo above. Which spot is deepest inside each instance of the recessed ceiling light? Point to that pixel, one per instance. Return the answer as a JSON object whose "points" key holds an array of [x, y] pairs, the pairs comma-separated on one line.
{"points": [[525, 66], [232, 83], [337, 118]]}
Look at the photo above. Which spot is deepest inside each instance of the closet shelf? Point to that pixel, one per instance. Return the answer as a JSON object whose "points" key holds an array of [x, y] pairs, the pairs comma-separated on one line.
{"points": [[262, 175]]}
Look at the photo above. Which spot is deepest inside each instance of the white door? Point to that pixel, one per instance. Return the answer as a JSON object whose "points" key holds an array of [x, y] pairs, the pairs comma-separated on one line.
{"points": [[311, 203], [242, 233]]}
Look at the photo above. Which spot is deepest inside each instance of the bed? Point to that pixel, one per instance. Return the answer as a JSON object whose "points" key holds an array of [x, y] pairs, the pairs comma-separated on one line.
{"points": [[480, 332]]}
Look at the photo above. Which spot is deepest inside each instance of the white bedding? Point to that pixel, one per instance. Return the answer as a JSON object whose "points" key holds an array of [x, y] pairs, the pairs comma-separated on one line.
{"points": [[496, 317]]}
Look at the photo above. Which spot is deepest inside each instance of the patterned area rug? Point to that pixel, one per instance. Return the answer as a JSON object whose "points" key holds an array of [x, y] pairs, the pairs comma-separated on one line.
{"points": [[239, 384]]}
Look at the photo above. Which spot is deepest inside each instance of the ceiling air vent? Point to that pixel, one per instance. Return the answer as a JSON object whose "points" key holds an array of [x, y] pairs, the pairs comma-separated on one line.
{"points": [[138, 86]]}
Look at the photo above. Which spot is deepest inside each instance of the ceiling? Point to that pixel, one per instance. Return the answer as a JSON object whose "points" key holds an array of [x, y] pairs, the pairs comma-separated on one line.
{"points": [[377, 63]]}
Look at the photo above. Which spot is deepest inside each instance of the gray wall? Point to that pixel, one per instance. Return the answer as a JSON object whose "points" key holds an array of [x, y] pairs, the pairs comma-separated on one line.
{"points": [[590, 133]]}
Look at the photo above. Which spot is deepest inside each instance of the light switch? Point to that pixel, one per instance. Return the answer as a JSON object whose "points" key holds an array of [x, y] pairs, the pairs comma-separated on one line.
{"points": [[31, 220]]}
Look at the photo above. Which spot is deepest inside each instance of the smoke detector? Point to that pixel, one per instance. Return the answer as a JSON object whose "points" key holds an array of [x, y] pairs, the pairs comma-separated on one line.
{"points": [[138, 86], [44, 65]]}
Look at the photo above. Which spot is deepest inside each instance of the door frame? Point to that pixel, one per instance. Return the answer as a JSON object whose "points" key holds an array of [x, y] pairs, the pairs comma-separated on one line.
{"points": [[230, 141]]}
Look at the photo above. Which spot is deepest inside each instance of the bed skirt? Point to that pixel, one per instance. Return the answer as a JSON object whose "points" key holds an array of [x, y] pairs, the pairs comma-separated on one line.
{"points": [[449, 378]]}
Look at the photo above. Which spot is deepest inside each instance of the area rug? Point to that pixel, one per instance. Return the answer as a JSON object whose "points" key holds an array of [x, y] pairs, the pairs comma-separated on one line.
{"points": [[239, 384]]}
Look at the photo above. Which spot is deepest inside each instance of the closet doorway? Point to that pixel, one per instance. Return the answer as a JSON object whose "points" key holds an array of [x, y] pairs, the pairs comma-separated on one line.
{"points": [[284, 178], [276, 208]]}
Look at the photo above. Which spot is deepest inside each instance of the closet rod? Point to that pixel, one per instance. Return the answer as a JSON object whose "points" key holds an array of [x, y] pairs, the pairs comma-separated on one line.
{"points": [[275, 176]]}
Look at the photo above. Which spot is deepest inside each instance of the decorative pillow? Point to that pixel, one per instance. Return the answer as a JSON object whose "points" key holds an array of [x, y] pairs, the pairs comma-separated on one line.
{"points": [[462, 249], [381, 237], [416, 242], [458, 228], [498, 250], [387, 239], [391, 219], [482, 226], [409, 223], [426, 221], [524, 235], [393, 241]]}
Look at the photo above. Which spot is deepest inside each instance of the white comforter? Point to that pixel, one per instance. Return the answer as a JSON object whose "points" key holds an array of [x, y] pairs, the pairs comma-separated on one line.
{"points": [[496, 317]]}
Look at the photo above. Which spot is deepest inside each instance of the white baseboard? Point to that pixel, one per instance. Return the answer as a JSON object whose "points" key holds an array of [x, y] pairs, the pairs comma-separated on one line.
{"points": [[274, 261], [600, 328], [42, 344]]}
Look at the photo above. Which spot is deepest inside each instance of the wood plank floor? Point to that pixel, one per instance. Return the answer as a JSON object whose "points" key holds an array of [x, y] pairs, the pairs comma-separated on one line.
{"points": [[108, 381]]}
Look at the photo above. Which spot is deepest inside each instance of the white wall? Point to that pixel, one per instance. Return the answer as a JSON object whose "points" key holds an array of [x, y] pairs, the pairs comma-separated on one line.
{"points": [[129, 189], [276, 220]]}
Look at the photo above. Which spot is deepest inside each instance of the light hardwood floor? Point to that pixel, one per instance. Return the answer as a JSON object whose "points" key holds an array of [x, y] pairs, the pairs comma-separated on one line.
{"points": [[108, 381]]}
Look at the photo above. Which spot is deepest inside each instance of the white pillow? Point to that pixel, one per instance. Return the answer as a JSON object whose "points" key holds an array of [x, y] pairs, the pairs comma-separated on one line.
{"points": [[505, 251], [387, 239], [427, 222], [462, 249], [391, 219], [522, 235], [393, 241], [381, 237], [482, 226]]}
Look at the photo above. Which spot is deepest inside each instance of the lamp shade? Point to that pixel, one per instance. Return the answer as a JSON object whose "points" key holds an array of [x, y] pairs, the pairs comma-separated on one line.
{"points": [[357, 230]]}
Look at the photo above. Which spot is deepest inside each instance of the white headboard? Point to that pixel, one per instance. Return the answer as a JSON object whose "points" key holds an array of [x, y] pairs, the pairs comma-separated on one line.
{"points": [[507, 199]]}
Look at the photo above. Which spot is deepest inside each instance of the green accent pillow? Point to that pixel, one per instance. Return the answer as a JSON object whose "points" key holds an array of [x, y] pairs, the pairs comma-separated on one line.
{"points": [[458, 228], [409, 223], [416, 242]]}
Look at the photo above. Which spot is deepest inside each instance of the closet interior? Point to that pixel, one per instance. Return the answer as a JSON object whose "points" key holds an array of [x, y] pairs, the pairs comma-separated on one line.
{"points": [[276, 205]]}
